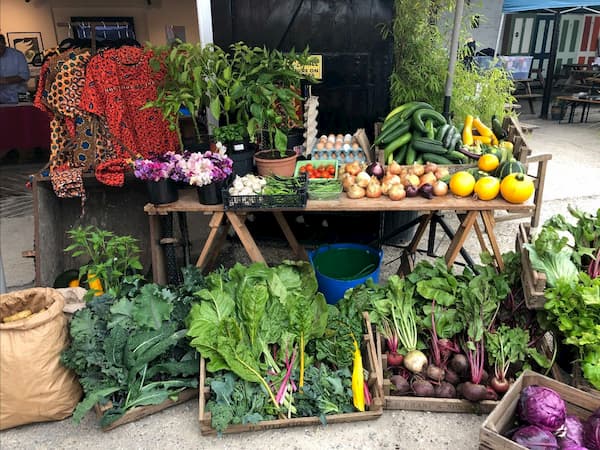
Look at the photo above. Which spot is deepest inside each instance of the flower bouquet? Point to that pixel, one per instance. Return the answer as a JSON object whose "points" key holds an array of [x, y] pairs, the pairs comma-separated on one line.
{"points": [[208, 172], [161, 173]]}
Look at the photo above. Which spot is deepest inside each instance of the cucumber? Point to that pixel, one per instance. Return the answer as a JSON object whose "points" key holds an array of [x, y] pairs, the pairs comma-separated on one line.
{"points": [[441, 132], [429, 146], [384, 135], [435, 158], [396, 133], [396, 144], [420, 159], [411, 155], [456, 139], [430, 128], [422, 115], [407, 113]]}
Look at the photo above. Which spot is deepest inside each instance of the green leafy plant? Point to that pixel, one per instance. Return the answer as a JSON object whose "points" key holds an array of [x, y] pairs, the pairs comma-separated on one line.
{"points": [[110, 258], [132, 351], [230, 133]]}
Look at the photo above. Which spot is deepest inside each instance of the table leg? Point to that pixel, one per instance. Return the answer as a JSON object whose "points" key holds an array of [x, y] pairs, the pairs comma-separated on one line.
{"points": [[245, 237], [480, 237], [158, 257], [285, 227], [424, 220], [214, 224], [218, 245], [488, 223], [460, 237]]}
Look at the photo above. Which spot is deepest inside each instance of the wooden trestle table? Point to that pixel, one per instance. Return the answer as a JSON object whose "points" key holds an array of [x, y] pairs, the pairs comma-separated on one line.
{"points": [[221, 220]]}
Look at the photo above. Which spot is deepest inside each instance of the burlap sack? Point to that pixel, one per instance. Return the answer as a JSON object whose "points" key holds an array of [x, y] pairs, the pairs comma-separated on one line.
{"points": [[34, 385]]}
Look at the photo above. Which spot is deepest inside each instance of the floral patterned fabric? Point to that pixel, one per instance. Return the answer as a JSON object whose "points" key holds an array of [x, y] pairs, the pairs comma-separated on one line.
{"points": [[119, 82]]}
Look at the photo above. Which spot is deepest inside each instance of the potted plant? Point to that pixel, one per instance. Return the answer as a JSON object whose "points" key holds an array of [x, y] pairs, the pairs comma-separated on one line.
{"points": [[161, 173], [184, 85], [208, 171], [271, 99]]}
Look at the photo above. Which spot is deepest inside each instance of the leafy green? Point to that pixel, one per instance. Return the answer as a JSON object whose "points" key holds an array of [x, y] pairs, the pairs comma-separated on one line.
{"points": [[550, 254], [591, 366], [132, 350]]}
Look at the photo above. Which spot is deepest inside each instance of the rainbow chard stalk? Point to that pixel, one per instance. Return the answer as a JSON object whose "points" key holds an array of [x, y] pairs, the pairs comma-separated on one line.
{"points": [[594, 267]]}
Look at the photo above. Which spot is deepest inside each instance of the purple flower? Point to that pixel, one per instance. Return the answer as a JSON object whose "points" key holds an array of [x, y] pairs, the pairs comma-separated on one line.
{"points": [[169, 165]]}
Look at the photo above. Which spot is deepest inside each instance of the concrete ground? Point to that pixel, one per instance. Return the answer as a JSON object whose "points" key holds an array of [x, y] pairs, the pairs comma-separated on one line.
{"points": [[572, 178]]}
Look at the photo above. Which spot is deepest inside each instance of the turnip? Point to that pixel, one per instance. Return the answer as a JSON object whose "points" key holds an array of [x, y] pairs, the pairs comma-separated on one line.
{"points": [[459, 364], [415, 361], [423, 388], [445, 390], [451, 377], [400, 383], [435, 373], [474, 392]]}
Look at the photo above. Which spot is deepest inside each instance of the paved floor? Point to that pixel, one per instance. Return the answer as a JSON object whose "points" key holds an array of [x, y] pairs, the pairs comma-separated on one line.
{"points": [[572, 179]]}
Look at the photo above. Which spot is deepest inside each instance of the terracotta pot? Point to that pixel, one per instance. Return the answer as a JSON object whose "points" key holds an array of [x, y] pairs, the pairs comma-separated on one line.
{"points": [[269, 162]]}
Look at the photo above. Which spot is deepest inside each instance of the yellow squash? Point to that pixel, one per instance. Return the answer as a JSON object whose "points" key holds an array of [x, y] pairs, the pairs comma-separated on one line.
{"points": [[358, 393], [516, 188]]}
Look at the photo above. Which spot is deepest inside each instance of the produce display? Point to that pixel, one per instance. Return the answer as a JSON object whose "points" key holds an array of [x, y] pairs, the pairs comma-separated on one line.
{"points": [[568, 253], [449, 335], [274, 348], [545, 423]]}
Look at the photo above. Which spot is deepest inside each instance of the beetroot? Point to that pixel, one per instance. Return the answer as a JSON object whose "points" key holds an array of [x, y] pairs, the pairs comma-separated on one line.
{"points": [[451, 377], [394, 359], [445, 390], [435, 373], [400, 384], [423, 388], [474, 392], [459, 364], [500, 386]]}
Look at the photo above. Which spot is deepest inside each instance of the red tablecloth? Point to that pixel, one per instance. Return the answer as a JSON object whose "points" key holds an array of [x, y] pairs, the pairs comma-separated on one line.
{"points": [[23, 127]]}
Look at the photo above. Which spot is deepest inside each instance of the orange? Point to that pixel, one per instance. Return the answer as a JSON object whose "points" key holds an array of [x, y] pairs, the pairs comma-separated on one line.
{"points": [[487, 188], [462, 183], [488, 162]]}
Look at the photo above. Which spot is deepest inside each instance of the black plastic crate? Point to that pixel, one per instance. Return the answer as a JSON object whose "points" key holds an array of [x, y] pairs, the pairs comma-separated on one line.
{"points": [[283, 201]]}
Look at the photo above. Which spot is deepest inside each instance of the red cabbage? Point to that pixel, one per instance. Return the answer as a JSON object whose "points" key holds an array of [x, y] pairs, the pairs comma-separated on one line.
{"points": [[591, 431], [573, 446], [574, 433], [535, 438], [543, 407]]}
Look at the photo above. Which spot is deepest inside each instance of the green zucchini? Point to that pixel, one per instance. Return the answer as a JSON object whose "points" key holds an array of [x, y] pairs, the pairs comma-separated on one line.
{"points": [[435, 158], [441, 132], [448, 136], [457, 157], [422, 115], [396, 144], [428, 146]]}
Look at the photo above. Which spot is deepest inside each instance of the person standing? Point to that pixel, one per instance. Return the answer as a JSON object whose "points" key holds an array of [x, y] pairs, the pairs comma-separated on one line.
{"points": [[14, 73]]}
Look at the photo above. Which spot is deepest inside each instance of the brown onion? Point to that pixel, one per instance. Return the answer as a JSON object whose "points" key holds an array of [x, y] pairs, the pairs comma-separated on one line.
{"points": [[394, 168], [430, 167], [427, 178], [440, 188], [397, 192], [374, 188], [362, 179], [353, 168], [355, 191], [347, 181], [411, 180], [417, 169], [441, 172]]}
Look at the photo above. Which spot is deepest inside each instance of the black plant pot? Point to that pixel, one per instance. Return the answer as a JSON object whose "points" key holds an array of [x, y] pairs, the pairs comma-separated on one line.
{"points": [[162, 191], [211, 194]]}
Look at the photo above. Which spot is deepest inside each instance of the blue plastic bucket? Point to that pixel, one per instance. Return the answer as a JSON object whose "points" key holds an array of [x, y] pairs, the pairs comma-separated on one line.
{"points": [[339, 267]]}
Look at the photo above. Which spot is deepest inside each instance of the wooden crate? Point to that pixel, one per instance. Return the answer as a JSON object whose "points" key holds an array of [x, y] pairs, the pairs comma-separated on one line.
{"points": [[432, 404], [534, 282], [501, 419], [374, 410], [142, 411]]}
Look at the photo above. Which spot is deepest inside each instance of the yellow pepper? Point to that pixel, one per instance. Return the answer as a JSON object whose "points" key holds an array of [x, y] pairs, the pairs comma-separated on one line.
{"points": [[95, 284], [467, 134], [358, 393]]}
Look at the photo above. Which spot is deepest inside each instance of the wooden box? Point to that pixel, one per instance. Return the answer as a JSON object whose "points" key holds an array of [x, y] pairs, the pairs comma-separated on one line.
{"points": [[374, 411], [142, 411], [534, 282], [432, 404], [501, 419]]}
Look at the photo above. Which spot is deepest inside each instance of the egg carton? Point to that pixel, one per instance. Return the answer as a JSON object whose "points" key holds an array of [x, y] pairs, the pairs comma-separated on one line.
{"points": [[343, 156]]}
